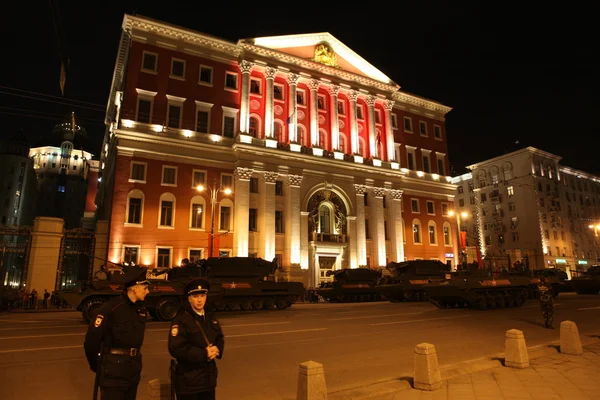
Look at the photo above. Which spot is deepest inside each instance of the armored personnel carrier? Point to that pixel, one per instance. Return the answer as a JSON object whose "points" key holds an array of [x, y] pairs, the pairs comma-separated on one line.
{"points": [[589, 282], [479, 291], [407, 279], [237, 283], [351, 285]]}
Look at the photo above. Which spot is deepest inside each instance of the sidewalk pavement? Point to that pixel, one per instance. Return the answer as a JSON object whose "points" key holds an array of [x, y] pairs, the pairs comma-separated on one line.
{"points": [[551, 375]]}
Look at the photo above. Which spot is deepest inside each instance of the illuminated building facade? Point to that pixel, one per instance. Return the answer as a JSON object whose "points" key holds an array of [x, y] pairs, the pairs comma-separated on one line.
{"points": [[330, 164]]}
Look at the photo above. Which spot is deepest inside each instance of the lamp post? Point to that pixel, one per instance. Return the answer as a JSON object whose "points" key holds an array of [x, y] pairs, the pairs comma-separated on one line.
{"points": [[213, 202], [464, 215]]}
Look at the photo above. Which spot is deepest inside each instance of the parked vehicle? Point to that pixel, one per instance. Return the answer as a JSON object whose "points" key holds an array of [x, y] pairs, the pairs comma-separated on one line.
{"points": [[588, 282], [351, 285], [408, 278]]}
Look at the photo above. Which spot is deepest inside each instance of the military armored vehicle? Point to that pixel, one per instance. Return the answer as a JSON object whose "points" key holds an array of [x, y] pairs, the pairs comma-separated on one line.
{"points": [[407, 279], [479, 291], [237, 283], [351, 285], [588, 282]]}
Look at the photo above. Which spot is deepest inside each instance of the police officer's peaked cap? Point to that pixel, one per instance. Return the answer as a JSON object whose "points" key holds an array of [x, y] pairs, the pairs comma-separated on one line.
{"points": [[135, 276], [197, 285]]}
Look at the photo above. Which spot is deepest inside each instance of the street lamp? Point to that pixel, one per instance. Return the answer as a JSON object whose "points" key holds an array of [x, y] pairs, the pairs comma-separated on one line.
{"points": [[213, 202], [458, 215]]}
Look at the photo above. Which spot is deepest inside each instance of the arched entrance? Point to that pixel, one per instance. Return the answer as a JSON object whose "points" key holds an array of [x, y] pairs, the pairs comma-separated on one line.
{"points": [[327, 235]]}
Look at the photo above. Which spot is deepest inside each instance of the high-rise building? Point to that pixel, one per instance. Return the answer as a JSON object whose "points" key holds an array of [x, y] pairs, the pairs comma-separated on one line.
{"points": [[524, 206], [326, 162]]}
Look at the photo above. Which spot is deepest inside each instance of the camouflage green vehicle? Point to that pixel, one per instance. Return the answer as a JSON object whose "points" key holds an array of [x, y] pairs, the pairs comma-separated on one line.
{"points": [[479, 291], [237, 283], [588, 282], [351, 285], [408, 278]]}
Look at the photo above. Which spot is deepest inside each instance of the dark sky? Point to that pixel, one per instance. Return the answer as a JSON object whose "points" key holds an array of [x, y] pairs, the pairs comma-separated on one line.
{"points": [[510, 74]]}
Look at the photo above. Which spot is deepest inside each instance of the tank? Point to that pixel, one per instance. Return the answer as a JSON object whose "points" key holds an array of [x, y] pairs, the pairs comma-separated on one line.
{"points": [[407, 279], [351, 285], [588, 282], [479, 291], [237, 283]]}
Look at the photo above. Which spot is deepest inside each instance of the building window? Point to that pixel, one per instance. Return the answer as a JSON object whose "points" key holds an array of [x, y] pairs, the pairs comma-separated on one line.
{"points": [[278, 188], [225, 223], [447, 235], [255, 86], [202, 121], [231, 80], [196, 217], [137, 172], [394, 121], [277, 91], [422, 128], [300, 97], [163, 259], [252, 220], [166, 213], [206, 75], [461, 202], [169, 176], [278, 131], [377, 117], [511, 191], [408, 124], [430, 207], [515, 237], [131, 254], [512, 207], [444, 209], [195, 255], [177, 68], [367, 229], [253, 127], [144, 110], [227, 181], [432, 233], [426, 163], [321, 102], [174, 117], [278, 221], [359, 111], [437, 132], [198, 178], [135, 211], [61, 188], [414, 206], [441, 169], [149, 62], [411, 160], [416, 227], [342, 142], [341, 108], [253, 185], [228, 126]]}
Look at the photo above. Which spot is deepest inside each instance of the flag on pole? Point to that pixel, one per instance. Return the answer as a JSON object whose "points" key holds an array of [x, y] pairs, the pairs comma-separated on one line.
{"points": [[63, 78], [289, 119]]}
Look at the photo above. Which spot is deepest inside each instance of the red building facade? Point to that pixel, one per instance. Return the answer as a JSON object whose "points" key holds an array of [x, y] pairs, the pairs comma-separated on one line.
{"points": [[329, 164]]}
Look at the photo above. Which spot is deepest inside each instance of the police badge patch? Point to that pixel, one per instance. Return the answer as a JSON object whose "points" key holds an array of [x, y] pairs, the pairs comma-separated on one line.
{"points": [[98, 321], [174, 330]]}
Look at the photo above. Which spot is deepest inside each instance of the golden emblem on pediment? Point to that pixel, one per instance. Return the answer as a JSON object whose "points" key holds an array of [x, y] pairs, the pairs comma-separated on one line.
{"points": [[325, 55]]}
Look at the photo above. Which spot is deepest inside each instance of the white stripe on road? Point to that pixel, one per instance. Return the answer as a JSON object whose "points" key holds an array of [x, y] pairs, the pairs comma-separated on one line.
{"points": [[374, 316], [42, 336], [227, 326], [44, 327], [588, 308], [42, 348], [421, 320], [271, 333]]}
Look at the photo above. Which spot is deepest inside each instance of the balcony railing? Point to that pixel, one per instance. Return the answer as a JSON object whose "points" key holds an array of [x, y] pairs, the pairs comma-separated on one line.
{"points": [[328, 237]]}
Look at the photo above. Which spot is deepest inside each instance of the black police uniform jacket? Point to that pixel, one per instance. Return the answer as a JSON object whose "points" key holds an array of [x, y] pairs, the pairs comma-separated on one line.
{"points": [[120, 324], [194, 373]]}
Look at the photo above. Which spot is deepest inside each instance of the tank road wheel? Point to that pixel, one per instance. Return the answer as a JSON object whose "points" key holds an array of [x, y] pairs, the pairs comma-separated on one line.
{"points": [[490, 301], [281, 304], [509, 300], [500, 301], [219, 305], [245, 305], [90, 309], [268, 304], [167, 308], [423, 296], [234, 305], [256, 304], [480, 303], [518, 299]]}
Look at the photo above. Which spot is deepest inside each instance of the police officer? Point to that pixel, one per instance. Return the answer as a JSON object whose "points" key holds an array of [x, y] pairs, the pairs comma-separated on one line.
{"points": [[546, 302], [195, 341], [117, 333]]}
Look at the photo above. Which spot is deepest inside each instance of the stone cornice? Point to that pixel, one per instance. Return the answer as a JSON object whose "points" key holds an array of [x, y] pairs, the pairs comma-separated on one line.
{"points": [[402, 97]]}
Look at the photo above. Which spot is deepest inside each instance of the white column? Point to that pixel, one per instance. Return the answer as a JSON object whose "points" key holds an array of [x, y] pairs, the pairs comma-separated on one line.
{"points": [[292, 80], [269, 76], [335, 124], [372, 133], [293, 215], [304, 241], [396, 229], [314, 114], [361, 240], [378, 241], [353, 96], [389, 132], [246, 68], [242, 211], [267, 209], [352, 236]]}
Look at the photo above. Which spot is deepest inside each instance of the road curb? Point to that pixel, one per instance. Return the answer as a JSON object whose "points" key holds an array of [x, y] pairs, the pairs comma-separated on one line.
{"points": [[450, 371]]}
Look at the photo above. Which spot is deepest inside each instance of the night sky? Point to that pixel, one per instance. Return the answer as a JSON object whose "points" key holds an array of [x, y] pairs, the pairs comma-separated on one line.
{"points": [[513, 77]]}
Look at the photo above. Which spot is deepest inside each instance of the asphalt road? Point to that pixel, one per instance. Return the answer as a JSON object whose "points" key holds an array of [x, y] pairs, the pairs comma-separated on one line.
{"points": [[41, 354]]}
